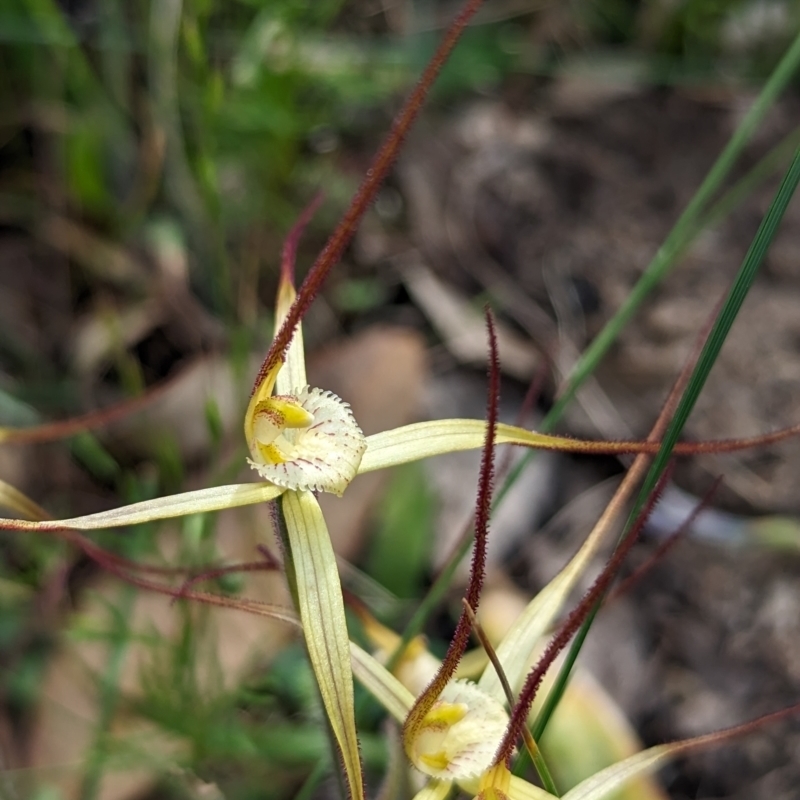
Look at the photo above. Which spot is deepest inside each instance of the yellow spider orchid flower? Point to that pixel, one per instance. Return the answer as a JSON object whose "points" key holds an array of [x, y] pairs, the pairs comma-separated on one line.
{"points": [[458, 746], [304, 440], [459, 738]]}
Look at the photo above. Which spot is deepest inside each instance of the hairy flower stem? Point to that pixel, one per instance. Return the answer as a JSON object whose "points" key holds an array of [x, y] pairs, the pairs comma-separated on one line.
{"points": [[460, 640], [531, 747], [376, 173], [444, 579], [587, 606]]}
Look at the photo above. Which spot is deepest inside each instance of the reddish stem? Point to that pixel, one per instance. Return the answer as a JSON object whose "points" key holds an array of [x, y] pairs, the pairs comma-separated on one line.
{"points": [[376, 173], [661, 551], [483, 507], [289, 254], [519, 714]]}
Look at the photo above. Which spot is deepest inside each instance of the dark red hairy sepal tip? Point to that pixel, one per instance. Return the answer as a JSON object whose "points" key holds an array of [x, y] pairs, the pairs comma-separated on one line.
{"points": [[668, 544], [483, 506], [375, 175]]}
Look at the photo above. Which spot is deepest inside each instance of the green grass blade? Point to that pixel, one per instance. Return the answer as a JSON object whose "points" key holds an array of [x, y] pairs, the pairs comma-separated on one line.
{"points": [[676, 243], [680, 237], [733, 303], [684, 229]]}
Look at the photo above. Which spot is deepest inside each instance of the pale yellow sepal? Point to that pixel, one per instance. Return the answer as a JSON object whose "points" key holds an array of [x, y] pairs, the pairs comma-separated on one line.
{"points": [[518, 646], [416, 667], [434, 790], [427, 439], [605, 783], [381, 684], [288, 374], [520, 789], [495, 783], [319, 595], [293, 374], [15, 501], [177, 505]]}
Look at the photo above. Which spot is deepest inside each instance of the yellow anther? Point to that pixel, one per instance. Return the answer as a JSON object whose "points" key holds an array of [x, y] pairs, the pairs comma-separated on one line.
{"points": [[272, 453], [294, 415], [445, 715]]}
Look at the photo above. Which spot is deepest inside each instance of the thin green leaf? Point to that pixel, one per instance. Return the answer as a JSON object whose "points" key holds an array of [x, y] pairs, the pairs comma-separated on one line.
{"points": [[668, 255], [685, 229], [733, 303]]}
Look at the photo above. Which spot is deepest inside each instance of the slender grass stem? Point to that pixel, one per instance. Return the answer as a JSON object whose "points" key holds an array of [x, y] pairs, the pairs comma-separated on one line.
{"points": [[668, 255], [109, 692], [725, 319]]}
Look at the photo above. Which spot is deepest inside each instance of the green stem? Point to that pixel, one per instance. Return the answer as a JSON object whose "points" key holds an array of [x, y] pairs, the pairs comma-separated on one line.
{"points": [[676, 243], [308, 789], [542, 769], [733, 303], [775, 159], [430, 602]]}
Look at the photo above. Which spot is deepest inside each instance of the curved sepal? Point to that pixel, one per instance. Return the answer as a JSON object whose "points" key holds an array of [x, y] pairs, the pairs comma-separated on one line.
{"points": [[319, 598], [217, 498]]}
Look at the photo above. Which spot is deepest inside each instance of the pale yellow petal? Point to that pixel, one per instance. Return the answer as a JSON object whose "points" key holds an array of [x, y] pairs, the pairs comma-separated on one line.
{"points": [[522, 790], [519, 789], [605, 783], [321, 610], [292, 376], [381, 684], [15, 501], [175, 505], [427, 439]]}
